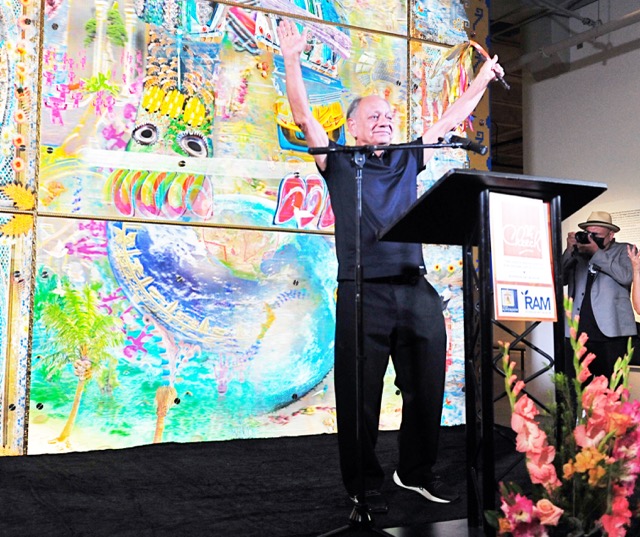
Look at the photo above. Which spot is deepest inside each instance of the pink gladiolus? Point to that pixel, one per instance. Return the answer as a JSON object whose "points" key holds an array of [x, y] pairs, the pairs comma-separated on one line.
{"points": [[541, 469], [543, 456], [632, 408], [588, 359], [620, 504], [531, 439], [607, 458], [572, 332], [522, 425], [518, 387], [589, 435], [519, 510], [526, 408], [544, 475], [548, 513], [597, 387], [583, 375], [614, 523]]}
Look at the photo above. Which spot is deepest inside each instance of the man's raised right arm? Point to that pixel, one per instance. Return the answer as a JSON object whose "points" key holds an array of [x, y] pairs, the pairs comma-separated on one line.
{"points": [[292, 44]]}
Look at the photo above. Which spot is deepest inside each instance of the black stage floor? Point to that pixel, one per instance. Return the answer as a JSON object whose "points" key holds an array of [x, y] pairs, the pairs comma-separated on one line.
{"points": [[282, 487]]}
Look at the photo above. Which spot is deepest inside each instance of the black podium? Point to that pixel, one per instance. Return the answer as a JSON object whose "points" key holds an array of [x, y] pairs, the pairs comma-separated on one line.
{"points": [[455, 210]]}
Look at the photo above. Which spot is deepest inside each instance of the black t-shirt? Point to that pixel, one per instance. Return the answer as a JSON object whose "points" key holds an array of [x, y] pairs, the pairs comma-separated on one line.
{"points": [[388, 189]]}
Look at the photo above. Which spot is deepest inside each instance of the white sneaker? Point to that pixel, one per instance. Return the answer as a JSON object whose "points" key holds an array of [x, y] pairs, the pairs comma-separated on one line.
{"points": [[433, 490]]}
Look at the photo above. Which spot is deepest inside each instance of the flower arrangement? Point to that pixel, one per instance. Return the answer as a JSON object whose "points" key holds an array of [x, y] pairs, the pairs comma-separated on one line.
{"points": [[582, 486]]}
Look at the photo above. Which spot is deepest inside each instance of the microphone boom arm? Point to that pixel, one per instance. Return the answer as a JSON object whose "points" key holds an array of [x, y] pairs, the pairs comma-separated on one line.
{"points": [[454, 142]]}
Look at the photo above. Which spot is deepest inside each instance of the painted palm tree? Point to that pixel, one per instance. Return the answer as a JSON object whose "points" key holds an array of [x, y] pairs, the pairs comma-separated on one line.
{"points": [[82, 334]]}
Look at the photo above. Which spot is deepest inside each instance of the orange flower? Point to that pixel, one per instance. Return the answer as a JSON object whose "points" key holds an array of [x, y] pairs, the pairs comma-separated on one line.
{"points": [[451, 268], [619, 423], [568, 470], [20, 116], [505, 526], [595, 474], [587, 459], [21, 69], [21, 47], [18, 140], [17, 164]]}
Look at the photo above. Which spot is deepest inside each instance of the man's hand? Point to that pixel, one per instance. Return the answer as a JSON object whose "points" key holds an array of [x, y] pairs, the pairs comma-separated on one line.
{"points": [[490, 70], [292, 42], [572, 244]]}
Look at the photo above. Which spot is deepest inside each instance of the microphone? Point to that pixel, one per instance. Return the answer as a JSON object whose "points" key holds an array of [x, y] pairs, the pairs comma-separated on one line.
{"points": [[503, 82], [465, 143]]}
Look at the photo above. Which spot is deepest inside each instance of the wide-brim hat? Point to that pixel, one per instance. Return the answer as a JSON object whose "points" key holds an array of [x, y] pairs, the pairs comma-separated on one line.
{"points": [[599, 218]]}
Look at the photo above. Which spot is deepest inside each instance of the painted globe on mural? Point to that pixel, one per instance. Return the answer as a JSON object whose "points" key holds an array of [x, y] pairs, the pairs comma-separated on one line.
{"points": [[257, 305]]}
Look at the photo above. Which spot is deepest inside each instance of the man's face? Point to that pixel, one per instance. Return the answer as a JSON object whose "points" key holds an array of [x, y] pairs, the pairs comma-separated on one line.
{"points": [[604, 233], [372, 124]]}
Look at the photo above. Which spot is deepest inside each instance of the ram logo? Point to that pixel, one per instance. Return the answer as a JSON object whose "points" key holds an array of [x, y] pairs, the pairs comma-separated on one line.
{"points": [[536, 303]]}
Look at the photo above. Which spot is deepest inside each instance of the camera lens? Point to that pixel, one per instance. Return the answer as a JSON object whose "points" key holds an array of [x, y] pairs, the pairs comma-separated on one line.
{"points": [[582, 237]]}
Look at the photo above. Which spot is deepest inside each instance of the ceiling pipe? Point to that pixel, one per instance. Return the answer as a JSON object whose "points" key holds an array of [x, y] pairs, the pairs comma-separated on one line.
{"points": [[544, 12], [565, 12], [575, 40]]}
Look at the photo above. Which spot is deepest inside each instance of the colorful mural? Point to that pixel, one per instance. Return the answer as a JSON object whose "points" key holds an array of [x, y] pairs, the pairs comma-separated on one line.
{"points": [[182, 318], [178, 269]]}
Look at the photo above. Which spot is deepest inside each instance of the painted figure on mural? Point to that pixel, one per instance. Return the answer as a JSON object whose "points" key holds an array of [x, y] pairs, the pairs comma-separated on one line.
{"points": [[599, 273], [402, 312]]}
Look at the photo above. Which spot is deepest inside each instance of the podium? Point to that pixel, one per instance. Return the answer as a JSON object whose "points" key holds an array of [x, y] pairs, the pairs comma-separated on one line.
{"points": [[455, 210]]}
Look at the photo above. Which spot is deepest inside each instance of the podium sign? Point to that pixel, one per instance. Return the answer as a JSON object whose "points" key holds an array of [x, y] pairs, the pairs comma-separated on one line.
{"points": [[522, 263]]}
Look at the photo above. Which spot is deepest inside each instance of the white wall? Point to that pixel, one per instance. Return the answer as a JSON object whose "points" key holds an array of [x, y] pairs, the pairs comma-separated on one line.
{"points": [[584, 124]]}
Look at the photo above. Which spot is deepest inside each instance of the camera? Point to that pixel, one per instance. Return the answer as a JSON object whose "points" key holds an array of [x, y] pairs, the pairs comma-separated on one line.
{"points": [[582, 237]]}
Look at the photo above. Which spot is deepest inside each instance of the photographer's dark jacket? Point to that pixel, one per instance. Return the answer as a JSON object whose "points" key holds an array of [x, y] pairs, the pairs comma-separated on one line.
{"points": [[610, 291]]}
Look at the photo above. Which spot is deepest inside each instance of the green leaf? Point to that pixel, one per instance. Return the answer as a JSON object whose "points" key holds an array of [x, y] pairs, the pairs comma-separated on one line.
{"points": [[492, 518]]}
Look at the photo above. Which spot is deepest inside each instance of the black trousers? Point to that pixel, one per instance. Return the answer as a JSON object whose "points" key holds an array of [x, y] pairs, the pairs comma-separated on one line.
{"points": [[404, 321]]}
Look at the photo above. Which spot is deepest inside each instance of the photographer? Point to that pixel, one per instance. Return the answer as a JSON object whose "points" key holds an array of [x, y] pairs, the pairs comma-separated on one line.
{"points": [[599, 273]]}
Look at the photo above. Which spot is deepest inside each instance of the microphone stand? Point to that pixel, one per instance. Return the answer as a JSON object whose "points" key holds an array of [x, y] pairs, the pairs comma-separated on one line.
{"points": [[360, 521]]}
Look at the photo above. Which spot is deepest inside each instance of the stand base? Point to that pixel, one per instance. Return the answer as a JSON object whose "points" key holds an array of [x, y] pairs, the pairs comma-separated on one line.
{"points": [[449, 528], [360, 525]]}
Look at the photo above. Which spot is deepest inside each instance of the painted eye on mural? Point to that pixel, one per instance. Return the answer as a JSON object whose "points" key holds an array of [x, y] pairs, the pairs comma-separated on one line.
{"points": [[194, 145], [146, 134]]}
